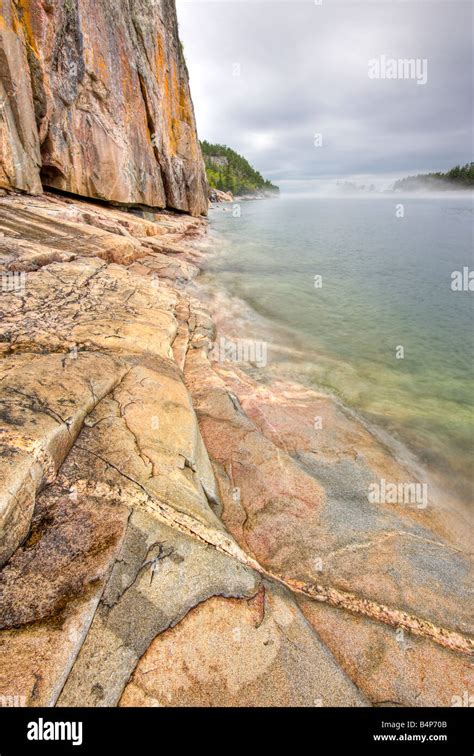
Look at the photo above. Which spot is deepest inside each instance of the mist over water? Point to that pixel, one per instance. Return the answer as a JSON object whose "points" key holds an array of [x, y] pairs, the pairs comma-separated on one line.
{"points": [[386, 283]]}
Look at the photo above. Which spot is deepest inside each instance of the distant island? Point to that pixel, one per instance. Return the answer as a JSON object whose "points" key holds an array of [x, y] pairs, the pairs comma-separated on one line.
{"points": [[460, 177], [229, 172]]}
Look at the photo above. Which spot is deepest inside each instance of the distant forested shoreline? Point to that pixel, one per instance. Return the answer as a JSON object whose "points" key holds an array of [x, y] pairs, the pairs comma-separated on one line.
{"points": [[459, 177]]}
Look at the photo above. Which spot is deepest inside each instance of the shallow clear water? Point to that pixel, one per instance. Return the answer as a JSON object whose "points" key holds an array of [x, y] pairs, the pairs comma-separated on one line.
{"points": [[386, 282]]}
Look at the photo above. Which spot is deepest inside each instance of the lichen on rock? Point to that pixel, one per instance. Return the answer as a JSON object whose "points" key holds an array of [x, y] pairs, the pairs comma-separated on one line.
{"points": [[96, 102]]}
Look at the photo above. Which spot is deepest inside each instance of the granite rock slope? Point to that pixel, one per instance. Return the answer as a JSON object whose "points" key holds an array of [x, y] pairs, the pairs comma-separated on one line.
{"points": [[310, 521], [174, 531], [111, 509], [95, 100], [385, 587], [240, 652]]}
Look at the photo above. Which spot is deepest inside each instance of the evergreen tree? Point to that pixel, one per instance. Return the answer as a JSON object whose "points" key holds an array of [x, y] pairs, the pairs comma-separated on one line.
{"points": [[235, 175]]}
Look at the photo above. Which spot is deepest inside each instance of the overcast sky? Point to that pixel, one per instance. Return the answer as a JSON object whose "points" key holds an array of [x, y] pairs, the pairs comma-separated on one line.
{"points": [[267, 76]]}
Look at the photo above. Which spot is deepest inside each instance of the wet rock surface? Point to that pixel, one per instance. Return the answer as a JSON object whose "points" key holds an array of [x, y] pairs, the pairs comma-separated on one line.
{"points": [[174, 531]]}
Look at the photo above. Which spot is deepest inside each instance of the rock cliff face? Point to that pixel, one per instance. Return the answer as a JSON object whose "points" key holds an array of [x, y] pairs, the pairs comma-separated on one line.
{"points": [[95, 100]]}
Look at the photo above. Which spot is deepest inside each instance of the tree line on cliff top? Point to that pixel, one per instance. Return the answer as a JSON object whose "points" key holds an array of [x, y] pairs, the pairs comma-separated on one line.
{"points": [[230, 172]]}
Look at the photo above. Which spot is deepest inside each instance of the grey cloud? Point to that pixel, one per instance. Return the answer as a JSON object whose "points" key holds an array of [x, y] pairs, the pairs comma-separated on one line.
{"points": [[304, 69]]}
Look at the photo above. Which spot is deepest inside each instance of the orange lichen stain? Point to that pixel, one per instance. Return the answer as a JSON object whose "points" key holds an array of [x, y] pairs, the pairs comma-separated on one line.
{"points": [[173, 98], [163, 74], [174, 125], [24, 21], [98, 63], [160, 56], [185, 104], [101, 65]]}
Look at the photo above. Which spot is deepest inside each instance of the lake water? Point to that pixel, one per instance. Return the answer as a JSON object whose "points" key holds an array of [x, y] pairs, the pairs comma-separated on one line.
{"points": [[385, 283]]}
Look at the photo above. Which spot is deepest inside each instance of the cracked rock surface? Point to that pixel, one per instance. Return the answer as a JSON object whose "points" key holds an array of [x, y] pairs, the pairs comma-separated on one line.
{"points": [[172, 530]]}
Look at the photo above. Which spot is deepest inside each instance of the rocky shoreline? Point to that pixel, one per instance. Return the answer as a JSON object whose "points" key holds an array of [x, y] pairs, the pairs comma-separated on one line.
{"points": [[216, 196], [176, 529]]}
